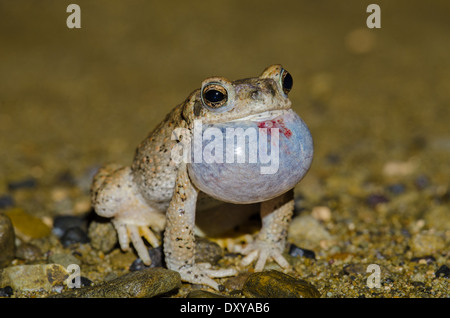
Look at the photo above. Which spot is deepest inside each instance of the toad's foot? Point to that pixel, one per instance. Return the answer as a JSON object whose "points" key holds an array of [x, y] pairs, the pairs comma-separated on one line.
{"points": [[262, 251], [201, 273], [134, 233]]}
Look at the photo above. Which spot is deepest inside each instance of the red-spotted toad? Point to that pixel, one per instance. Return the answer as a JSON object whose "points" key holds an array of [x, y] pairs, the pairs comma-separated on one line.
{"points": [[191, 151]]}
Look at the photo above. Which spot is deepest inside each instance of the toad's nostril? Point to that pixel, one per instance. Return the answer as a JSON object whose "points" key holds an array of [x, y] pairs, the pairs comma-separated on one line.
{"points": [[270, 88]]}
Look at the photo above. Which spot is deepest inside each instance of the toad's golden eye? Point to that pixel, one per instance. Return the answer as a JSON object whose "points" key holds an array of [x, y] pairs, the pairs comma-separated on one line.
{"points": [[286, 81], [214, 95]]}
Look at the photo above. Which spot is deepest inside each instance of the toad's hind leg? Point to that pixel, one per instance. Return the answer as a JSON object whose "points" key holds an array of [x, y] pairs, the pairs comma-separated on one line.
{"points": [[115, 195], [270, 242]]}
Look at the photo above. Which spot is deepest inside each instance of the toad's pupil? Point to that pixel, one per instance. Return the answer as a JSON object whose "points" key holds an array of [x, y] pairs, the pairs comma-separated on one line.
{"points": [[287, 82], [214, 96]]}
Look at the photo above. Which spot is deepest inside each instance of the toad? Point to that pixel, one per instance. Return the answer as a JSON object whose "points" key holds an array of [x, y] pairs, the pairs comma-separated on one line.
{"points": [[234, 141]]}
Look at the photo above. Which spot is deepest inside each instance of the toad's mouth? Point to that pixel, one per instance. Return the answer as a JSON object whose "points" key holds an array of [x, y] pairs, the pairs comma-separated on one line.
{"points": [[264, 116]]}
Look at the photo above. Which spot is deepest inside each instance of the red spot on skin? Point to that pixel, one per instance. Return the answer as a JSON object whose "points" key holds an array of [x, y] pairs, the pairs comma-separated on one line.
{"points": [[279, 123]]}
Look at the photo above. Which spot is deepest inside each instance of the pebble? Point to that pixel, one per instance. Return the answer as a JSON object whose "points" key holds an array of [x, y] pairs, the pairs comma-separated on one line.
{"points": [[399, 168], [236, 282], [443, 271], [333, 158], [6, 291], [74, 235], [295, 251], [33, 277], [422, 182], [146, 283], [321, 213], [66, 178], [305, 228], [62, 223], [374, 199], [102, 236], [397, 188], [156, 256], [424, 244], [358, 269], [274, 284], [207, 251], [427, 259], [418, 278], [27, 226], [7, 241], [29, 252], [6, 201], [85, 282], [26, 183]]}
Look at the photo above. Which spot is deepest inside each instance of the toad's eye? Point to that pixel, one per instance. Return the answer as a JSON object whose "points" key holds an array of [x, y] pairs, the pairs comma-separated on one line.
{"points": [[286, 81], [214, 96]]}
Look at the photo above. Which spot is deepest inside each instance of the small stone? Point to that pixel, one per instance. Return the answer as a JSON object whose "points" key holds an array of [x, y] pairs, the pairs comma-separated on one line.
{"points": [[397, 188], [102, 236], [66, 178], [64, 259], [417, 283], [427, 259], [358, 269], [139, 265], [418, 278], [443, 271], [422, 182], [74, 235], [85, 282], [28, 252], [156, 256], [6, 201], [274, 284], [203, 294], [6, 291], [333, 158], [62, 223], [146, 283], [7, 241], [33, 277], [321, 213], [207, 251], [26, 183], [295, 251], [305, 228], [27, 226], [236, 282], [424, 243], [399, 168], [374, 199]]}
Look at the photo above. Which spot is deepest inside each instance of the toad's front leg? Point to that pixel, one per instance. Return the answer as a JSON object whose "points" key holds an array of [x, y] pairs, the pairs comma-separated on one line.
{"points": [[179, 241], [270, 242]]}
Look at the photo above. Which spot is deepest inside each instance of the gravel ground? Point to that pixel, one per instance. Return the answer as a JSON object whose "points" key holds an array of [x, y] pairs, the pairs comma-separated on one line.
{"points": [[376, 101]]}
